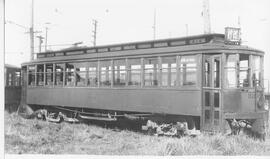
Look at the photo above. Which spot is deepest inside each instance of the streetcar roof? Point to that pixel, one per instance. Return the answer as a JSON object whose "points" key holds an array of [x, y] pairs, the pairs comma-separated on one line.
{"points": [[196, 44]]}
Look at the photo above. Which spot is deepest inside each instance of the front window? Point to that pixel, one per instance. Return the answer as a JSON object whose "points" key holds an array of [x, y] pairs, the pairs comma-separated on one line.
{"points": [[242, 64], [230, 68], [256, 76], [244, 70]]}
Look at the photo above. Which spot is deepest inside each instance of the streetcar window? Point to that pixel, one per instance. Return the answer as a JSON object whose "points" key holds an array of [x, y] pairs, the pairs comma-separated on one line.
{"points": [[188, 70], [150, 72], [105, 73], [59, 74], [134, 72], [207, 98], [230, 70], [168, 71], [81, 73], [70, 78], [207, 73], [119, 76], [244, 70], [17, 80], [9, 79], [256, 71], [216, 73], [216, 100], [31, 75], [93, 74], [49, 75], [40, 75]]}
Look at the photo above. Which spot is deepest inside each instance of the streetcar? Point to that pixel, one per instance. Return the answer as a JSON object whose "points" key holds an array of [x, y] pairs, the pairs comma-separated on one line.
{"points": [[207, 80], [12, 80]]}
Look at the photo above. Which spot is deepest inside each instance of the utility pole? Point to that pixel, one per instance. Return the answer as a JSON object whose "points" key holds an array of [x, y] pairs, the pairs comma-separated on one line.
{"points": [[46, 38], [4, 29], [94, 31], [206, 17], [154, 25], [31, 31], [40, 42]]}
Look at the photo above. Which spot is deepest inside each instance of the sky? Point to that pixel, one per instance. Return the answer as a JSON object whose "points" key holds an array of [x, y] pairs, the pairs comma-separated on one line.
{"points": [[70, 21]]}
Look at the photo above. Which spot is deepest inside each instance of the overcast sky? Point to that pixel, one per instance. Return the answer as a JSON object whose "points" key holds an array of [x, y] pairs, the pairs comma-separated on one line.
{"points": [[130, 20]]}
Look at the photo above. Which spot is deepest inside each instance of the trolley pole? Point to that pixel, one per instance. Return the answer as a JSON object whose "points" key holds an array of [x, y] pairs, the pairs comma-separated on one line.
{"points": [[46, 38], [206, 17], [154, 26], [94, 32], [186, 29], [31, 31]]}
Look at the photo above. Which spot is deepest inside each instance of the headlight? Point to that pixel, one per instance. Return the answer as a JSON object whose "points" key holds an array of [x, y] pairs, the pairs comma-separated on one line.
{"points": [[260, 101]]}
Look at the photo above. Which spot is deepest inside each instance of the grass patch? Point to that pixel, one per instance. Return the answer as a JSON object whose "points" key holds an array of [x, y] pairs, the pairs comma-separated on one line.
{"points": [[24, 136]]}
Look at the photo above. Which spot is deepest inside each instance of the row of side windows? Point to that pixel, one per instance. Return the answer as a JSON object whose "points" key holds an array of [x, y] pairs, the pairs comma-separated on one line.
{"points": [[12, 78], [171, 71]]}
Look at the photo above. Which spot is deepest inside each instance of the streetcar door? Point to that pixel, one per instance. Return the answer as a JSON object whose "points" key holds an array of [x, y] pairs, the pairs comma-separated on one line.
{"points": [[211, 92]]}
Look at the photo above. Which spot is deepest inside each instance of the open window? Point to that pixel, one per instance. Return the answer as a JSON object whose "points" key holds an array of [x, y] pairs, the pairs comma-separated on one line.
{"points": [[150, 72], [93, 74], [69, 74], [244, 70], [119, 77], [134, 72], [231, 70], [40, 75], [81, 70], [59, 74], [256, 75], [188, 70], [168, 71], [49, 74], [105, 73]]}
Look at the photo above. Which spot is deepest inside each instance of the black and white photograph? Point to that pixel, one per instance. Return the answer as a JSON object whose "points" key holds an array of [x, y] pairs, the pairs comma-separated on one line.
{"points": [[135, 78]]}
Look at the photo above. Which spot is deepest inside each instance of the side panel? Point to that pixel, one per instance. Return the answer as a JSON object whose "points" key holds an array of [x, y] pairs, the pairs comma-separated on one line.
{"points": [[231, 100], [12, 95], [237, 100], [140, 100]]}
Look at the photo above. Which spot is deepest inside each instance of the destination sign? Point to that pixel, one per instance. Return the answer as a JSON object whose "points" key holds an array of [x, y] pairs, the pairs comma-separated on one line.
{"points": [[74, 52], [103, 50], [162, 44], [40, 55], [232, 35], [59, 54], [197, 41], [128, 47], [178, 43]]}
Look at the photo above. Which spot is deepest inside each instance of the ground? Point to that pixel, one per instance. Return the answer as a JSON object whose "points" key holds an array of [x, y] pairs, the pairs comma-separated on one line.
{"points": [[25, 136]]}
